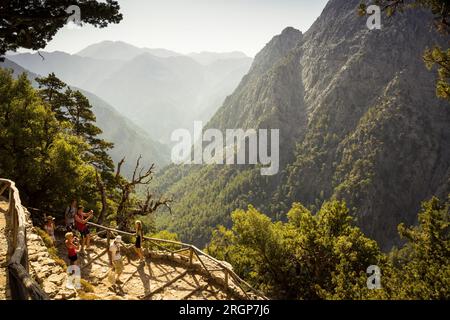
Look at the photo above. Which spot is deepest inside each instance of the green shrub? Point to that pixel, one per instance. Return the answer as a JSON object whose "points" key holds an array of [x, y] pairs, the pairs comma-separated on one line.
{"points": [[86, 286], [164, 235], [48, 241], [52, 250], [88, 296]]}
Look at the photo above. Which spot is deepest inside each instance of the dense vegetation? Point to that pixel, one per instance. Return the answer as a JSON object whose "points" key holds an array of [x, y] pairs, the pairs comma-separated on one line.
{"points": [[324, 255], [50, 146], [40, 153]]}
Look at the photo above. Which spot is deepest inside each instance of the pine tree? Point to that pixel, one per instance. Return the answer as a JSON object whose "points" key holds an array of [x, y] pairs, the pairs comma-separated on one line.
{"points": [[83, 120], [36, 152], [51, 91], [440, 58], [421, 269], [74, 108]]}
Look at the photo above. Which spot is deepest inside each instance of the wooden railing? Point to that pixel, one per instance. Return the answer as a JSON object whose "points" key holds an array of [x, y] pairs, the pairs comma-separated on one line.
{"points": [[193, 253], [22, 285]]}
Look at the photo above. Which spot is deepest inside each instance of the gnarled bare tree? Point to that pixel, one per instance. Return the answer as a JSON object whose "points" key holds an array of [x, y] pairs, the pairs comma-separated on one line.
{"points": [[102, 190], [141, 177]]}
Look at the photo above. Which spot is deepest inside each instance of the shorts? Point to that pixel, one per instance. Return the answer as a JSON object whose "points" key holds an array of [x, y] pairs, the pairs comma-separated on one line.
{"points": [[137, 244], [73, 258], [70, 227], [84, 232]]}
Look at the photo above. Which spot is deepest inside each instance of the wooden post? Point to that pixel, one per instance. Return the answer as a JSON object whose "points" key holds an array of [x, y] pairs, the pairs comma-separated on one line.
{"points": [[10, 215], [108, 243], [191, 255], [11, 204], [14, 217], [226, 277], [25, 262], [16, 286], [22, 286], [225, 271], [3, 188]]}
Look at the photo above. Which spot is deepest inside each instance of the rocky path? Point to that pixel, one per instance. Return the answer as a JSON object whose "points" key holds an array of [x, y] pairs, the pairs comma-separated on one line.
{"points": [[152, 280], [156, 279], [4, 294]]}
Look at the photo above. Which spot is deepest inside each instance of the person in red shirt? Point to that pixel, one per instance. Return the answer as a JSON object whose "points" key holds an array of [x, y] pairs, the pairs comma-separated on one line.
{"points": [[81, 220], [72, 246]]}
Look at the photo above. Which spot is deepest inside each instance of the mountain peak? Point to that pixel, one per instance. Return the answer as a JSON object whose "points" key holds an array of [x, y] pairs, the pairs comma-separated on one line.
{"points": [[119, 50], [290, 31], [277, 48]]}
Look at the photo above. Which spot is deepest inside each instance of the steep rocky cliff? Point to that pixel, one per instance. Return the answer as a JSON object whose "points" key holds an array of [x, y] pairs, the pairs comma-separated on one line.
{"points": [[359, 121]]}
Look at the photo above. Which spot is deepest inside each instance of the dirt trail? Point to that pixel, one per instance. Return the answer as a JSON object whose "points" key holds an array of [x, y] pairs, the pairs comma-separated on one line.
{"points": [[152, 280]]}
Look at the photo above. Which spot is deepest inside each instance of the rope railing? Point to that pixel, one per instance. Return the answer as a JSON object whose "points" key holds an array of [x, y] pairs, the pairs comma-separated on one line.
{"points": [[193, 251], [22, 285]]}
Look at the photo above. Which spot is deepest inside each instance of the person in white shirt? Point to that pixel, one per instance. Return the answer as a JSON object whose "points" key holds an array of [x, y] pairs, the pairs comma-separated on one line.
{"points": [[70, 215], [116, 258]]}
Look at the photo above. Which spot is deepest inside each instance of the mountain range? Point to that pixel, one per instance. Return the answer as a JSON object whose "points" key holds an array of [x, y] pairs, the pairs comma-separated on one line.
{"points": [[158, 89], [359, 121], [119, 50]]}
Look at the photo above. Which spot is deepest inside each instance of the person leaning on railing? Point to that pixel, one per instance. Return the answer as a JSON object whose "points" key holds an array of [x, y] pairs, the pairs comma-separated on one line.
{"points": [[139, 239], [81, 220]]}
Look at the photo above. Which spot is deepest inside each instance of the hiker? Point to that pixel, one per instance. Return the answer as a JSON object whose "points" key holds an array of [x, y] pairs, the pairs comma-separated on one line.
{"points": [[139, 238], [70, 215], [116, 258], [50, 228], [81, 220], [72, 245]]}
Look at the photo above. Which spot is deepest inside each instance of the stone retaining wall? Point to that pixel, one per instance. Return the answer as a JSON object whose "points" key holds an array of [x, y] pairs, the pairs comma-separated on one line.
{"points": [[43, 268]]}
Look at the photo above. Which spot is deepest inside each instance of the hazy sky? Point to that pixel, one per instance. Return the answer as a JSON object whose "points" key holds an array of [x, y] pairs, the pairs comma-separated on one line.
{"points": [[196, 25]]}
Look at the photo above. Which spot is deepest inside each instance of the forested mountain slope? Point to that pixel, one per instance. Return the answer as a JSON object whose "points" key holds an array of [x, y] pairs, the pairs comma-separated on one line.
{"points": [[359, 121]]}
